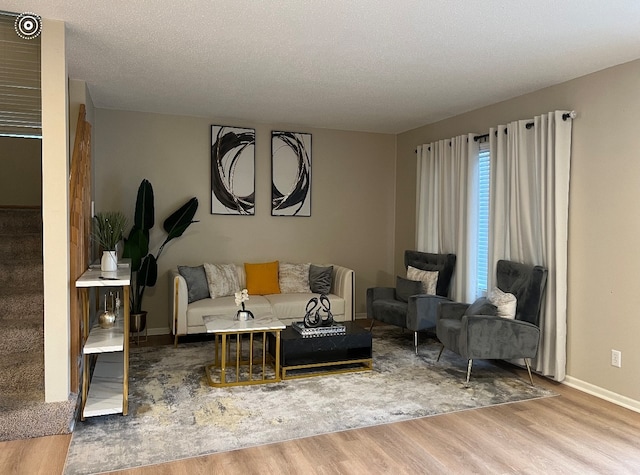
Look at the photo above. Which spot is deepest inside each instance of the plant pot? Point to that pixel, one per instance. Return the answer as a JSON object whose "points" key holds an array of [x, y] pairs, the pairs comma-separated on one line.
{"points": [[137, 321], [109, 262], [244, 315]]}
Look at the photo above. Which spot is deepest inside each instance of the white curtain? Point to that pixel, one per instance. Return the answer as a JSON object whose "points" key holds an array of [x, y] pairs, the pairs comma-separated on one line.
{"points": [[445, 211], [529, 211]]}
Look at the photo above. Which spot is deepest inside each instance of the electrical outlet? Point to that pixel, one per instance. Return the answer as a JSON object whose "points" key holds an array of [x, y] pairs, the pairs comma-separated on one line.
{"points": [[616, 358]]}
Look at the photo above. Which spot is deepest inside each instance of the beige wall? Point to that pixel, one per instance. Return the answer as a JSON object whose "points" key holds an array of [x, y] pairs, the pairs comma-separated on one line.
{"points": [[604, 255], [351, 223], [55, 210], [21, 177]]}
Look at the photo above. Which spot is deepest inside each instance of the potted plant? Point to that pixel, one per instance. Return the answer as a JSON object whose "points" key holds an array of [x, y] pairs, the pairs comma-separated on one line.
{"points": [[108, 230], [144, 264]]}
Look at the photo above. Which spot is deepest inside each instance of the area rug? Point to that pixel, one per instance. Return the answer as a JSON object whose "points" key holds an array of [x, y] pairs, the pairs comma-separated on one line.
{"points": [[174, 414]]}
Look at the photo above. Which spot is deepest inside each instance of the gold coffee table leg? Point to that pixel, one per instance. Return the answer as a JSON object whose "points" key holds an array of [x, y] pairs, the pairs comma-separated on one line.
{"points": [[223, 362]]}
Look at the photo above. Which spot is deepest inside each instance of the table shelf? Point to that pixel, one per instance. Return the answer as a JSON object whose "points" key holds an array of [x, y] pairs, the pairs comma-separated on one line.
{"points": [[108, 390], [105, 392]]}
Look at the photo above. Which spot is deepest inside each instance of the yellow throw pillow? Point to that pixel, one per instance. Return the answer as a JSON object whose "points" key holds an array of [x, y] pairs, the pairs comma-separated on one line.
{"points": [[262, 279]]}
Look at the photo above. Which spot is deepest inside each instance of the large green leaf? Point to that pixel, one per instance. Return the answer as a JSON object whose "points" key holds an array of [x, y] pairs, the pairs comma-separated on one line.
{"points": [[145, 210], [176, 224], [148, 273], [136, 247]]}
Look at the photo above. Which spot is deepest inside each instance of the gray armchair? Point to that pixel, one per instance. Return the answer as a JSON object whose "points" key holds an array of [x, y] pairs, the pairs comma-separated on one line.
{"points": [[416, 312], [469, 332]]}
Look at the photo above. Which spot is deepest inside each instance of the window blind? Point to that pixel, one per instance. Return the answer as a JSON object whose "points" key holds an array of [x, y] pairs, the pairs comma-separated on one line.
{"points": [[20, 97], [482, 251]]}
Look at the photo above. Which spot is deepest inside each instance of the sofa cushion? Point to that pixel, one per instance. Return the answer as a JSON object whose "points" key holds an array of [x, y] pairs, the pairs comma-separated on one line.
{"points": [[429, 279], [197, 284], [262, 279], [222, 279], [294, 305], [258, 305], [293, 278], [320, 279], [504, 301], [481, 306], [405, 288]]}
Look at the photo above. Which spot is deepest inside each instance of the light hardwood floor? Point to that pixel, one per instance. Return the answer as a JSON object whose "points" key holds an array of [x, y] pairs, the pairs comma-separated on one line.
{"points": [[571, 433]]}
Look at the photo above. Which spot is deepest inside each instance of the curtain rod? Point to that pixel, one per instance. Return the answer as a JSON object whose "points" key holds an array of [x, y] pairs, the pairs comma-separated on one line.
{"points": [[565, 116]]}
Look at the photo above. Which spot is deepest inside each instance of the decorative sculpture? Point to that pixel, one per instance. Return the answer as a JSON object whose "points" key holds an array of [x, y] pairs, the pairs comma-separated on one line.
{"points": [[318, 312]]}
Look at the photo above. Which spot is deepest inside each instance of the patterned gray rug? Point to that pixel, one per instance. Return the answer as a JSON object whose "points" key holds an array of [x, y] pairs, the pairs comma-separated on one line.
{"points": [[174, 414]]}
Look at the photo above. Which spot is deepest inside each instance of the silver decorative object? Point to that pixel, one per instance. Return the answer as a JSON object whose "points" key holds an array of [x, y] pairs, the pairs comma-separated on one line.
{"points": [[106, 319]]}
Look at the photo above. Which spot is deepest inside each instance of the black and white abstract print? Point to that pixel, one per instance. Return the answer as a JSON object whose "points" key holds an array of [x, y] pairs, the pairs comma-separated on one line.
{"points": [[291, 174], [232, 170]]}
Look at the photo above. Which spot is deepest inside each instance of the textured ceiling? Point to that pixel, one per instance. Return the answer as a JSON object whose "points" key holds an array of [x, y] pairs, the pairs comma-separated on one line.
{"points": [[369, 65]]}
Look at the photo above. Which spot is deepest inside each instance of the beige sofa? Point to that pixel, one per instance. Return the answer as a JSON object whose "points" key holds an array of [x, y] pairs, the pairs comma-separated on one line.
{"points": [[186, 318]]}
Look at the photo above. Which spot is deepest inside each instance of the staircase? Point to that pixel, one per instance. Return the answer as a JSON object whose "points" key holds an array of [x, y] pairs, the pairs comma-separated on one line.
{"points": [[23, 411]]}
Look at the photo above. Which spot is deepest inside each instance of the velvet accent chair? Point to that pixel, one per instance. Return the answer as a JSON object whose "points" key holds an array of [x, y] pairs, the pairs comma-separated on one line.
{"points": [[412, 309], [477, 332]]}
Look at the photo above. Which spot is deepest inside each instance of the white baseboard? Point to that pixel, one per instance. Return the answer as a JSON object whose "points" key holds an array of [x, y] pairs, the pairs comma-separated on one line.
{"points": [[605, 394], [362, 315]]}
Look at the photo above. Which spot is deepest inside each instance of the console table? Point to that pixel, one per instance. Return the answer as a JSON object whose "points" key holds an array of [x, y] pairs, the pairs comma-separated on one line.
{"points": [[108, 390]]}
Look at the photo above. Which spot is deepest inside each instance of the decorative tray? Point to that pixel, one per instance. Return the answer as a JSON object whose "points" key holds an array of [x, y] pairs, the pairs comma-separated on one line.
{"points": [[334, 329]]}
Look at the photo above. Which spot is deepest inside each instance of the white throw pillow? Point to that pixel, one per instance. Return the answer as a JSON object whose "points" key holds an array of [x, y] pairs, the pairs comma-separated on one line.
{"points": [[222, 279], [429, 279], [293, 278], [505, 302]]}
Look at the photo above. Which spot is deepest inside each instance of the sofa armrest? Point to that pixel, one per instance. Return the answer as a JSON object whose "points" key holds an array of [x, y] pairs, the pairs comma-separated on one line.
{"points": [[378, 293], [179, 299], [422, 310], [381, 293], [453, 310], [343, 284], [491, 337]]}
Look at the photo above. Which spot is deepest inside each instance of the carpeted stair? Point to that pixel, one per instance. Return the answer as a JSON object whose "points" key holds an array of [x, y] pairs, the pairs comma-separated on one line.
{"points": [[23, 411]]}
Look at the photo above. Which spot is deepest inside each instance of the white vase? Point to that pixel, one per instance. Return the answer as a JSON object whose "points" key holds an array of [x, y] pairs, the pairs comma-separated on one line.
{"points": [[109, 262]]}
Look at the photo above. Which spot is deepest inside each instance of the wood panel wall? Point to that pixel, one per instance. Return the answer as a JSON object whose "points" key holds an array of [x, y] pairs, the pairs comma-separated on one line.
{"points": [[80, 228]]}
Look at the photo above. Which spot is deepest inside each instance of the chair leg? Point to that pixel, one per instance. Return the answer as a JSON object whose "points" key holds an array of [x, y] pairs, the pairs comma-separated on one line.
{"points": [[469, 370], [440, 354], [526, 361], [415, 341], [372, 323]]}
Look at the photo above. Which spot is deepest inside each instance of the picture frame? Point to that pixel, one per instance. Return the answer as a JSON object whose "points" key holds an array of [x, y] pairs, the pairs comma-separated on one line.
{"points": [[290, 174], [232, 170]]}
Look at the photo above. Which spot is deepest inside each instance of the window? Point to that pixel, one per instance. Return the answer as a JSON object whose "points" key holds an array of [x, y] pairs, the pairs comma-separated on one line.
{"points": [[20, 104], [482, 249]]}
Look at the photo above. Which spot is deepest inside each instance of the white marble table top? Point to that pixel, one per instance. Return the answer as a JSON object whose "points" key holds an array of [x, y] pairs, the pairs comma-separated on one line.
{"points": [[94, 277], [229, 324], [104, 340]]}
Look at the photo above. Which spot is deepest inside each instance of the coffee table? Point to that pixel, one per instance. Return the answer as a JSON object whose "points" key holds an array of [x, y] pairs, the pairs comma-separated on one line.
{"points": [[226, 329], [323, 355]]}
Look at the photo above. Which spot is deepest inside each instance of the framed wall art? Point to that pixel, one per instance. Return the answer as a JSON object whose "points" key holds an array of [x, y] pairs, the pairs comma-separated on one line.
{"points": [[232, 170], [290, 174]]}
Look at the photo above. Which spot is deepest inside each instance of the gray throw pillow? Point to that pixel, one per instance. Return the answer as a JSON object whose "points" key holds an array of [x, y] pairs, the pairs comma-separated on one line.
{"points": [[196, 282], [482, 306], [406, 288], [320, 279]]}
